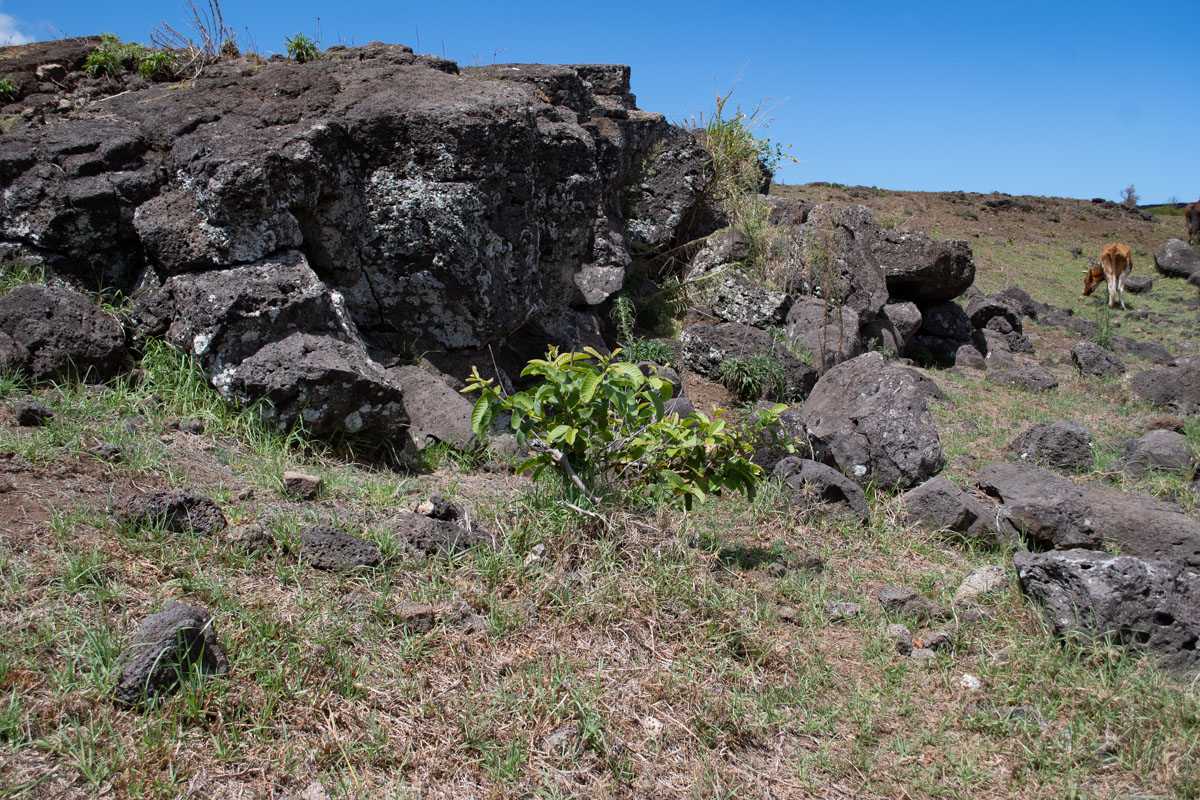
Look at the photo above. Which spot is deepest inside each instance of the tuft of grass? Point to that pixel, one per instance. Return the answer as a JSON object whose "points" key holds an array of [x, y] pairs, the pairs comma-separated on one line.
{"points": [[758, 377]]}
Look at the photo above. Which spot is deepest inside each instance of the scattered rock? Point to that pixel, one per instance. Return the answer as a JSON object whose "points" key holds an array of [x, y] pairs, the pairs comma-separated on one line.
{"points": [[1162, 450], [937, 641], [1145, 526], [301, 485], [1175, 258], [31, 412], [838, 611], [1092, 359], [902, 637], [424, 617], [923, 655], [250, 539], [870, 420], [829, 332], [1019, 300], [1064, 445], [332, 549], [986, 579], [896, 600], [810, 483], [970, 683], [177, 512], [58, 334], [706, 346], [739, 299], [438, 536], [106, 452], [176, 641], [1148, 351], [940, 505], [1029, 377], [196, 427], [436, 412], [1049, 510], [983, 310], [1139, 284], [1175, 388], [1144, 604]]}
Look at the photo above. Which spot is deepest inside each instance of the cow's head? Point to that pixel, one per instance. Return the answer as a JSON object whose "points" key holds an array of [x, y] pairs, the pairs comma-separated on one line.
{"points": [[1092, 278]]}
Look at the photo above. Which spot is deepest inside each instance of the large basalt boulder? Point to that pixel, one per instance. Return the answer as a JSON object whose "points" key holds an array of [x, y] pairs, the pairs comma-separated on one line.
{"points": [[809, 483], [58, 334], [829, 256], [436, 413], [920, 269], [172, 644], [1144, 604], [1049, 510], [673, 178], [871, 421], [1020, 301], [1175, 387], [328, 385], [983, 310], [706, 346], [1142, 525], [739, 299], [1029, 377], [946, 319], [829, 332], [894, 328], [1092, 359], [1177, 259], [1066, 445], [940, 505], [1161, 450]]}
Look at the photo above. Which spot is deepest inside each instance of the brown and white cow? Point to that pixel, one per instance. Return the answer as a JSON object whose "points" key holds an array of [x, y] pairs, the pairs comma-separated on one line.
{"points": [[1116, 262], [1191, 213]]}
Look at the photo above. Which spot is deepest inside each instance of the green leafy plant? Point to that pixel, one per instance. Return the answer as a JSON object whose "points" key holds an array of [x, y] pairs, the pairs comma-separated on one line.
{"points": [[301, 48], [113, 58], [755, 378], [157, 65], [9, 90], [600, 425], [624, 314]]}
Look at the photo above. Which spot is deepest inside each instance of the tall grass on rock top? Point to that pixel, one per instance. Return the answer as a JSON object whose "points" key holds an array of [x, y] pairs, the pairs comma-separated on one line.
{"points": [[602, 426]]}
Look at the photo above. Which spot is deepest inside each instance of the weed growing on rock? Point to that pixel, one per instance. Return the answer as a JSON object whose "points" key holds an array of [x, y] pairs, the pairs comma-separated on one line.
{"points": [[301, 48], [9, 90]]}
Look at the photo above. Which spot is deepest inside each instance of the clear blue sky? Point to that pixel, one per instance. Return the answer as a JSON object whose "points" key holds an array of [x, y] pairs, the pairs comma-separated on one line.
{"points": [[1070, 99]]}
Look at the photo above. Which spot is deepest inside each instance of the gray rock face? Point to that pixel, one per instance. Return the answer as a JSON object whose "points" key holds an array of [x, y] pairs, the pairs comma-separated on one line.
{"points": [[177, 512], [1142, 525], [872, 422], [672, 179], [1175, 388], [172, 643], [1177, 259], [894, 328], [940, 505], [828, 332], [739, 299], [1092, 359], [919, 269], [327, 384], [1049, 510], [58, 334], [332, 549], [829, 257], [706, 346], [1066, 445], [810, 482], [1141, 603], [436, 413], [1029, 377], [1163, 450], [947, 320]]}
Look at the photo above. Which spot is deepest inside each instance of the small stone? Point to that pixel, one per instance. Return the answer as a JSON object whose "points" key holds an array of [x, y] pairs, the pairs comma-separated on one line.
{"points": [[251, 539], [652, 726], [193, 426], [786, 614], [777, 569], [244, 495], [332, 549], [106, 452], [897, 600], [902, 638], [131, 425], [923, 655], [171, 643], [839, 611], [936, 641], [536, 556], [563, 739], [302, 485], [32, 413], [986, 579], [970, 682], [174, 511], [51, 72]]}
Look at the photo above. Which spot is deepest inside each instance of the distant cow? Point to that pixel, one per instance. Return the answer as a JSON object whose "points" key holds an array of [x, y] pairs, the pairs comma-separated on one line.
{"points": [[1191, 213], [1115, 264]]}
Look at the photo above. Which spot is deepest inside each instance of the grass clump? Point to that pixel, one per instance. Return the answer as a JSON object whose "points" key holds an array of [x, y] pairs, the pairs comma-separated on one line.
{"points": [[758, 377], [301, 48], [9, 90], [113, 58]]}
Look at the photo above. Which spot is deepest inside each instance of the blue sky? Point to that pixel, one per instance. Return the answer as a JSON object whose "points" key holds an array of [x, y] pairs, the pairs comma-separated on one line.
{"points": [[1068, 99]]}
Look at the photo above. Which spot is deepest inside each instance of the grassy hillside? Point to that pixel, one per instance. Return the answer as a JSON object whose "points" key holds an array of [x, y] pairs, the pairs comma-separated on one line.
{"points": [[619, 654]]}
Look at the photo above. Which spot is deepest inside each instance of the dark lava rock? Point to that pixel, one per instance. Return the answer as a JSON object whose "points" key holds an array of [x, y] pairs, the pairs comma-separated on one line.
{"points": [[1163, 450], [894, 328], [946, 320], [332, 549], [58, 334], [106, 452], [176, 642], [940, 505], [173, 511], [1029, 377], [983, 310], [772, 445], [896, 600], [1149, 351], [1145, 526], [828, 332], [1177, 259], [1140, 603], [706, 346], [830, 256], [302, 485], [1175, 388], [438, 537], [920, 269], [739, 299], [436, 412], [1092, 359], [1139, 284], [1064, 445], [1019, 300], [31, 412], [1049, 510], [870, 420], [811, 483]]}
